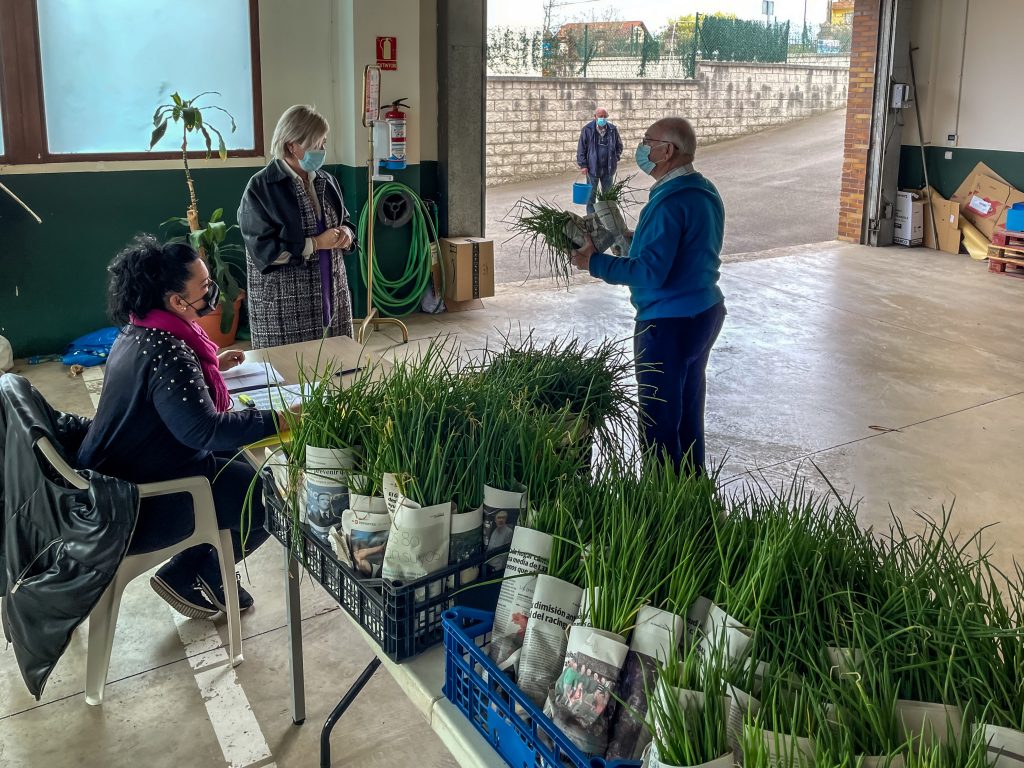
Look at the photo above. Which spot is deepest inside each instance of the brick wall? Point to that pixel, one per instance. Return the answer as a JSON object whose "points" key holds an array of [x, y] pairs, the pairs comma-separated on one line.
{"points": [[863, 54], [533, 124]]}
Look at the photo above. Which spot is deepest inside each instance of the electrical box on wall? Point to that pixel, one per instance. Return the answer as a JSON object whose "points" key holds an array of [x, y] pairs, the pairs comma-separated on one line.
{"points": [[902, 95]]}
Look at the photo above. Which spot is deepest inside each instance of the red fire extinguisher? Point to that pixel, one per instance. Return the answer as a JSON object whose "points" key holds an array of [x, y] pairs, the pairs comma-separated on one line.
{"points": [[395, 118]]}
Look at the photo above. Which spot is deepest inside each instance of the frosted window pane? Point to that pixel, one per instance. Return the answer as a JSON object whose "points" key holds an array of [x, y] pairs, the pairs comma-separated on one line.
{"points": [[107, 65]]}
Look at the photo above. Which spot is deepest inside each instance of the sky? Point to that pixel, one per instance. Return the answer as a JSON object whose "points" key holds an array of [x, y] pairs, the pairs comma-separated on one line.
{"points": [[654, 13]]}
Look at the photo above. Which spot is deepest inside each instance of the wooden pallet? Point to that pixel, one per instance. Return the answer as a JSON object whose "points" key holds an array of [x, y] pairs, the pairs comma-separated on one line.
{"points": [[1007, 265], [1006, 251], [1001, 237]]}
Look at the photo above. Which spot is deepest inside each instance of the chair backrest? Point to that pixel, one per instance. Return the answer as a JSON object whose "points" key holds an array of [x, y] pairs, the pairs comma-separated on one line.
{"points": [[65, 470]]}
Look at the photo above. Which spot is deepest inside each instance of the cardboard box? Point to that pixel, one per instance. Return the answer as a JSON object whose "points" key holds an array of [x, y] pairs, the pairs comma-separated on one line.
{"points": [[984, 198], [947, 222], [909, 227], [468, 264]]}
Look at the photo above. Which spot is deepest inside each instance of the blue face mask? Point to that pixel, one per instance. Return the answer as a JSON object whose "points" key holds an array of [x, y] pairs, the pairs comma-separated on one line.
{"points": [[602, 121], [643, 158], [312, 160]]}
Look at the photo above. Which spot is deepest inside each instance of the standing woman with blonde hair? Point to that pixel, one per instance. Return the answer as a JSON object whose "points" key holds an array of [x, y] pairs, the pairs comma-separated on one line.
{"points": [[296, 230]]}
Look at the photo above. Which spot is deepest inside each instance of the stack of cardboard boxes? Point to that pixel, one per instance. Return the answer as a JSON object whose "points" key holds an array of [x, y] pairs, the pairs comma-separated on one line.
{"points": [[977, 207]]}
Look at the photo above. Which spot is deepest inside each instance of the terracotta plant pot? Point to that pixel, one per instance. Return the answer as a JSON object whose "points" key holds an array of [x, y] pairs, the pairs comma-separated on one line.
{"points": [[211, 324]]}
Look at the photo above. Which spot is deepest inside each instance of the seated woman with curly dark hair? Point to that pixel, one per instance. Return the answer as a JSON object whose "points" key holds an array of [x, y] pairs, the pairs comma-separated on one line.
{"points": [[165, 414]]}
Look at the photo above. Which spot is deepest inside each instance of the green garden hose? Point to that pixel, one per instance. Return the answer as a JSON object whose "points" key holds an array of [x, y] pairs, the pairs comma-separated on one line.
{"points": [[398, 297]]}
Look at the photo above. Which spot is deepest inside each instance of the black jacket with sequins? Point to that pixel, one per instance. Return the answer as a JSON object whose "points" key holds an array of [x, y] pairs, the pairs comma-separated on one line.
{"points": [[156, 418]]}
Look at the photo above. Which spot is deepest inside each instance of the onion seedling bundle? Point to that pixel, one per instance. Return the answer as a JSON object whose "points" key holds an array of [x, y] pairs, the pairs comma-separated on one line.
{"points": [[947, 626], [688, 730], [619, 192], [544, 231], [422, 426], [592, 380]]}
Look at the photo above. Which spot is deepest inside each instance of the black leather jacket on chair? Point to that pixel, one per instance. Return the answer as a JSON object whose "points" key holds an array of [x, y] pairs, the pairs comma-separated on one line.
{"points": [[59, 547]]}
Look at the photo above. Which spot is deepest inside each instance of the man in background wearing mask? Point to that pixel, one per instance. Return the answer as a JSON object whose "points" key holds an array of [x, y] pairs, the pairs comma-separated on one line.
{"points": [[672, 271], [598, 153]]}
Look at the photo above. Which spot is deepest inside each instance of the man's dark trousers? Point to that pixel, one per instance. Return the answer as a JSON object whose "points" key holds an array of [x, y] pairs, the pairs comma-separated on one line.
{"points": [[606, 183], [671, 359]]}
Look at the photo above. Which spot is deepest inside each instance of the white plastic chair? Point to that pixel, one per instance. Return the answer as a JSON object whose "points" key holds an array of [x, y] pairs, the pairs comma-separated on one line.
{"points": [[103, 618]]}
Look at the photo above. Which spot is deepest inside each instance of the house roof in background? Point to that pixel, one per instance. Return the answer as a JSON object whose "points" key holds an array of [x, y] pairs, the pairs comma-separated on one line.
{"points": [[603, 26]]}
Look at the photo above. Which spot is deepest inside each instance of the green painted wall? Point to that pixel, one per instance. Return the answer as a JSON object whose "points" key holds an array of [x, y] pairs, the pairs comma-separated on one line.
{"points": [[946, 175], [52, 277]]}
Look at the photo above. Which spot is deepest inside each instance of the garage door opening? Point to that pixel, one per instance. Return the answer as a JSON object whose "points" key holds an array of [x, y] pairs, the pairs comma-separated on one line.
{"points": [[767, 97]]}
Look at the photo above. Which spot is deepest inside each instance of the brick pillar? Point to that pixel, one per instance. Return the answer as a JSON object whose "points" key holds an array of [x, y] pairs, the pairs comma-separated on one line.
{"points": [[860, 101]]}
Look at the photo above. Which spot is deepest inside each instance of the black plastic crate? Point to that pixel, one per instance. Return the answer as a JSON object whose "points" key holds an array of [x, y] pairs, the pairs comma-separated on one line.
{"points": [[404, 618]]}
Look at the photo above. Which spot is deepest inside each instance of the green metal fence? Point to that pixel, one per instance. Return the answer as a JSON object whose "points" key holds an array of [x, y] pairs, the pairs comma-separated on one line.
{"points": [[721, 39]]}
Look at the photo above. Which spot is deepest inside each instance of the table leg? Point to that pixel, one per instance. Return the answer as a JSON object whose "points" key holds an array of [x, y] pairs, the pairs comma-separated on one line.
{"points": [[345, 703], [294, 609]]}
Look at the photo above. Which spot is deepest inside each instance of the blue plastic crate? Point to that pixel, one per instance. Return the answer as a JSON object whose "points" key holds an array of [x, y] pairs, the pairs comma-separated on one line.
{"points": [[504, 715]]}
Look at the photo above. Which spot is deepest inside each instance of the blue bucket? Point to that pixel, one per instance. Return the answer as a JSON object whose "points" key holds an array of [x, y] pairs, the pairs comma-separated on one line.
{"points": [[581, 192], [1015, 218]]}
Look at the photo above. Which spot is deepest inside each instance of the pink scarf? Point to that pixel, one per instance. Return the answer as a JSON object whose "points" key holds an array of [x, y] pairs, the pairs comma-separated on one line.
{"points": [[196, 338]]}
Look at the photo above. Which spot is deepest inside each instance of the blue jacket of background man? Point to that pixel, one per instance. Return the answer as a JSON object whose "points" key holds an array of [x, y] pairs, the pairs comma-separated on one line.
{"points": [[586, 150], [673, 264]]}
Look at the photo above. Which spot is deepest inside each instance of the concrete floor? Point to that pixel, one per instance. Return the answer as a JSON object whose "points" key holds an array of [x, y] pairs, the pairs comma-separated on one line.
{"points": [[780, 187], [897, 372]]}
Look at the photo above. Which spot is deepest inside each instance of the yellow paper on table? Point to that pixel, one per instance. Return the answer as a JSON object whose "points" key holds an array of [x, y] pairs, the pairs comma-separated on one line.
{"points": [[975, 242]]}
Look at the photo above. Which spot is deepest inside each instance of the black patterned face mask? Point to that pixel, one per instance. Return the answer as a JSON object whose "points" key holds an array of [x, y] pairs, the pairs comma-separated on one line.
{"points": [[212, 299]]}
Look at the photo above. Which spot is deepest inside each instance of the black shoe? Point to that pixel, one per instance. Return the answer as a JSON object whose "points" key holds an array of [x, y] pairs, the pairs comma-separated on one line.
{"points": [[182, 592], [211, 585]]}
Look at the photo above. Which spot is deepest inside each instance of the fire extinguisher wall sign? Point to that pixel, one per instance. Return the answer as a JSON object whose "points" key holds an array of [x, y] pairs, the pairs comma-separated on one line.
{"points": [[387, 53], [395, 118]]}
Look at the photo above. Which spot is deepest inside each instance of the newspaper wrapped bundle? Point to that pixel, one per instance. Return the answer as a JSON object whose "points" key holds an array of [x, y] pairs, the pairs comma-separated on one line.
{"points": [[844, 661], [466, 542], [716, 633], [327, 478], [527, 559], [578, 227], [691, 702], [276, 460], [787, 751], [740, 706], [656, 634], [651, 759], [582, 700], [556, 605], [392, 491], [880, 761], [1005, 746], [419, 540], [366, 526], [500, 511], [930, 723], [609, 214]]}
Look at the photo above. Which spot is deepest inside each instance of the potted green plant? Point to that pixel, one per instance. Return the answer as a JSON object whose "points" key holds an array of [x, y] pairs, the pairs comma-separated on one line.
{"points": [[223, 259], [225, 262]]}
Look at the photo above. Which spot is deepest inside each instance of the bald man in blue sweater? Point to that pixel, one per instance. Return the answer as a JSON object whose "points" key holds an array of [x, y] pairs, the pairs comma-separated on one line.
{"points": [[672, 271]]}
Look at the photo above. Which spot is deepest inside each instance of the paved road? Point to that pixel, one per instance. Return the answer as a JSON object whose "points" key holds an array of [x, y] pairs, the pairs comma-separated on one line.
{"points": [[780, 187]]}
